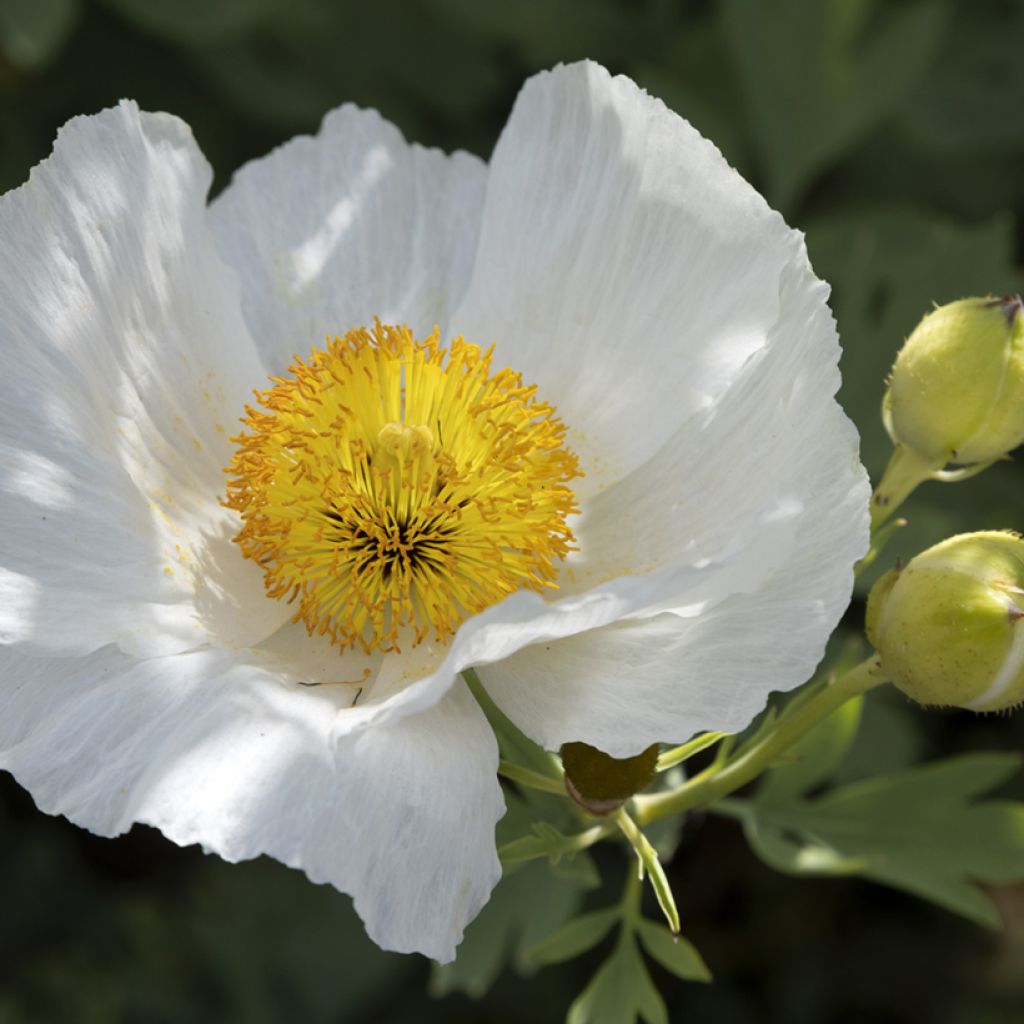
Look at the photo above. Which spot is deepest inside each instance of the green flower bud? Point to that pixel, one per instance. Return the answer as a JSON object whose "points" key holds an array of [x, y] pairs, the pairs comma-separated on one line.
{"points": [[956, 393], [948, 626], [601, 783]]}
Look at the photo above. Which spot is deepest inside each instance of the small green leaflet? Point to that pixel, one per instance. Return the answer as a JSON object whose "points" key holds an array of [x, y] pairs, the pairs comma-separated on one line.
{"points": [[572, 939], [922, 830], [620, 992], [673, 952]]}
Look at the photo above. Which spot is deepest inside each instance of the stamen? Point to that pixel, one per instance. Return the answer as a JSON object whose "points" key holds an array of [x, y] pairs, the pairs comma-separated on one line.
{"points": [[393, 486]]}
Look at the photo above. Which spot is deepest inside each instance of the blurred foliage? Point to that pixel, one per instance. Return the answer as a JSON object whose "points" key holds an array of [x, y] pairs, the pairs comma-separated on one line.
{"points": [[890, 131]]}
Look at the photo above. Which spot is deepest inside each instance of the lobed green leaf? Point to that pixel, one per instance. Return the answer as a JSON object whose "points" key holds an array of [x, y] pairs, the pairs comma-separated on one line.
{"points": [[923, 831]]}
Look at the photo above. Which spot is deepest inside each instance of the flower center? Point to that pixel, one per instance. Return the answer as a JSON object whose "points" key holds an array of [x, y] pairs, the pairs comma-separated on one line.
{"points": [[396, 487]]}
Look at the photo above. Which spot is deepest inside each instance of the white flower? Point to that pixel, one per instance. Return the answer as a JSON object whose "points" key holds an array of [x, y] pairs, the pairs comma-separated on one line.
{"points": [[616, 262]]}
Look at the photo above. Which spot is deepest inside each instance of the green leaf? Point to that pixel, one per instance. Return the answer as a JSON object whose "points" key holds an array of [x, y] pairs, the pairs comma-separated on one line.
{"points": [[572, 939], [819, 75], [32, 32], [921, 831], [673, 952], [620, 992], [578, 870]]}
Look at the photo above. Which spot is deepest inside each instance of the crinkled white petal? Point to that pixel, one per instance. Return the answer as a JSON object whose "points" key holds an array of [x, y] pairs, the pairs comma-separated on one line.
{"points": [[124, 366], [216, 749], [328, 232], [623, 266]]}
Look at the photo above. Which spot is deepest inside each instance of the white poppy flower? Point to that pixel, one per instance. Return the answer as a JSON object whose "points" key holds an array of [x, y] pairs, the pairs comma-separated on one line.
{"points": [[617, 263]]}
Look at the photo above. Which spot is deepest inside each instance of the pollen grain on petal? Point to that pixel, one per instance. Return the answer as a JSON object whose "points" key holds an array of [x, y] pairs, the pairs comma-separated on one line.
{"points": [[389, 485]]}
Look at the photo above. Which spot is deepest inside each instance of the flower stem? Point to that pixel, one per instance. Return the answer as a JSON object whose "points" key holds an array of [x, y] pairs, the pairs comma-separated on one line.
{"points": [[533, 847], [677, 755], [717, 782], [515, 745], [905, 471], [879, 538], [630, 904], [528, 777]]}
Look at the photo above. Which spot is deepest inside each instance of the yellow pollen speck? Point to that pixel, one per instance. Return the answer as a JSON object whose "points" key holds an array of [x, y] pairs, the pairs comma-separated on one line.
{"points": [[392, 484]]}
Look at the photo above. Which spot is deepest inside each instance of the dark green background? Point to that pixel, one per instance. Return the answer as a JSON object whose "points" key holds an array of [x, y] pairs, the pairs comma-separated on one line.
{"points": [[893, 134]]}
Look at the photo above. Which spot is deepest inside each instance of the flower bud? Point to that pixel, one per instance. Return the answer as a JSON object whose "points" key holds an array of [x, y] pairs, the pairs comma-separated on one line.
{"points": [[947, 627], [601, 783], [956, 393]]}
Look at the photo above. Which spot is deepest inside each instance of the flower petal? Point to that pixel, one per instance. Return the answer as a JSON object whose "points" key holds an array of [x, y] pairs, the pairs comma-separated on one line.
{"points": [[211, 748], [775, 438], [125, 361], [623, 266], [328, 232]]}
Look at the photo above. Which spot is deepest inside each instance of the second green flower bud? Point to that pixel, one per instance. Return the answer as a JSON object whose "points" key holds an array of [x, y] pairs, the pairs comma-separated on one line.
{"points": [[948, 627]]}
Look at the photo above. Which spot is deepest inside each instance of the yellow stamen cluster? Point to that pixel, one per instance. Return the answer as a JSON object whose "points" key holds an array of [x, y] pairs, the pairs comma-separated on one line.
{"points": [[393, 487]]}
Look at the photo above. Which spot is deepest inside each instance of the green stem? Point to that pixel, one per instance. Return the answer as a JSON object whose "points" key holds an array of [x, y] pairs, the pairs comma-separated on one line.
{"points": [[879, 538], [518, 851], [906, 470], [515, 745], [715, 783], [730, 807], [677, 755], [528, 777], [631, 896]]}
